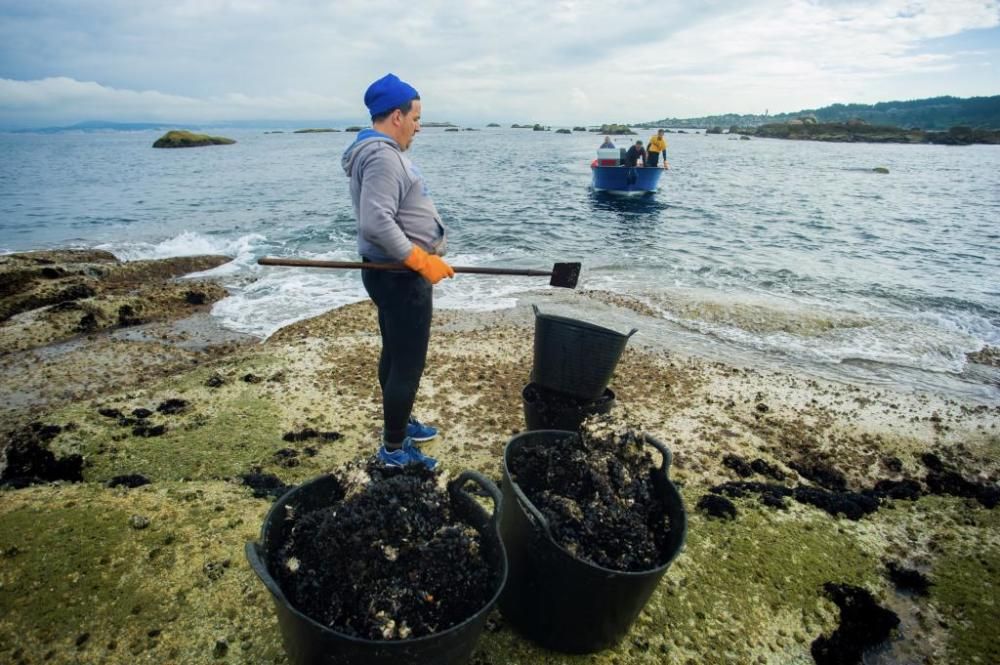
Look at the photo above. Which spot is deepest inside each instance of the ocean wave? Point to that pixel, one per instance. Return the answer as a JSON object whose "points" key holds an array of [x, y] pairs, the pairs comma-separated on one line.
{"points": [[277, 298], [187, 243]]}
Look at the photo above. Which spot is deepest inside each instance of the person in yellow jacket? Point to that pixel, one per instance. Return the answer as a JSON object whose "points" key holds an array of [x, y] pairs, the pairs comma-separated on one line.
{"points": [[657, 146]]}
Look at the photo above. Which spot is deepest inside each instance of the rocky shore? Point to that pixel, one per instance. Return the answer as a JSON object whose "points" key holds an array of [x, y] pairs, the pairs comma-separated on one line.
{"points": [[143, 446], [861, 132]]}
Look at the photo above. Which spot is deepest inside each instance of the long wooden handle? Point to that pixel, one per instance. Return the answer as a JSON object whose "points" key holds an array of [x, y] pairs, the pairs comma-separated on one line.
{"points": [[358, 265]]}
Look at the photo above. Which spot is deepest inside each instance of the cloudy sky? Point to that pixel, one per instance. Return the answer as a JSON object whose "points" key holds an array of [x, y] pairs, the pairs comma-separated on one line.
{"points": [[558, 62]]}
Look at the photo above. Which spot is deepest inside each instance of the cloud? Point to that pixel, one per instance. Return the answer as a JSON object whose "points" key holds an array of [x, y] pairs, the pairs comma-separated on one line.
{"points": [[55, 99], [571, 62]]}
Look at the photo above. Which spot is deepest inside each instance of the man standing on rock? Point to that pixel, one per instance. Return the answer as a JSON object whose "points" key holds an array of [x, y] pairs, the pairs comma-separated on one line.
{"points": [[397, 222]]}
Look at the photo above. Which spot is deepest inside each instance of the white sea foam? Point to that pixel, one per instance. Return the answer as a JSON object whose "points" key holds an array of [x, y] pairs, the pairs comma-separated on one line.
{"points": [[280, 297], [264, 299], [481, 292], [187, 243]]}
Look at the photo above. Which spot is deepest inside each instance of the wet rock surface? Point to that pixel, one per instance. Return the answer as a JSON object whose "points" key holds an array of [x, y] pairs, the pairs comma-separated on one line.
{"points": [[388, 560], [597, 492]]}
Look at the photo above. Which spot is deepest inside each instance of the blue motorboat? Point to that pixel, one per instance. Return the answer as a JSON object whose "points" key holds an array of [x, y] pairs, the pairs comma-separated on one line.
{"points": [[610, 175]]}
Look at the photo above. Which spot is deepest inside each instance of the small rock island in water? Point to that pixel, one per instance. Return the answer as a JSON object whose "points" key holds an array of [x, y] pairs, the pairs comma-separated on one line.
{"points": [[179, 138]]}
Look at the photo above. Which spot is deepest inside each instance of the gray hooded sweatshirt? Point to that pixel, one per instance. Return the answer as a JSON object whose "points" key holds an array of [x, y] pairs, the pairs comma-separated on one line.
{"points": [[391, 202]]}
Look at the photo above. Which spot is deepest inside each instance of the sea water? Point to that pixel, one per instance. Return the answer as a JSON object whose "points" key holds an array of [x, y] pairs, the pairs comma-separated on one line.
{"points": [[776, 253]]}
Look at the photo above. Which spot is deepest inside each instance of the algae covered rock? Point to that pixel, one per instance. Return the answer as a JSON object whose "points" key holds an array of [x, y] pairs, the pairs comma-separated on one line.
{"points": [[179, 138], [613, 128], [52, 296]]}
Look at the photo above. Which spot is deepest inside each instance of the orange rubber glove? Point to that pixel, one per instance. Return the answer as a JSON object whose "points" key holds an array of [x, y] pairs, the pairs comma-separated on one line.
{"points": [[431, 266]]}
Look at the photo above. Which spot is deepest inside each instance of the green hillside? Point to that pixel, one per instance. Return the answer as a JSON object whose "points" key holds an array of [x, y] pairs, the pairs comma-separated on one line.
{"points": [[933, 113]]}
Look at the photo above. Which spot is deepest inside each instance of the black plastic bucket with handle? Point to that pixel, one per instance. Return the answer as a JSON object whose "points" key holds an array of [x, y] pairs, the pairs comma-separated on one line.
{"points": [[575, 357], [558, 600], [308, 642]]}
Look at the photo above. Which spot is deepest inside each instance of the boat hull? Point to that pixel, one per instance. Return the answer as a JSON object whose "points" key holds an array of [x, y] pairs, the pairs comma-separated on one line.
{"points": [[627, 179]]}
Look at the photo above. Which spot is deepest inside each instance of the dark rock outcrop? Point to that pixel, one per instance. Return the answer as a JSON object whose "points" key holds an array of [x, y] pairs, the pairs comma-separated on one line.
{"points": [[179, 138]]}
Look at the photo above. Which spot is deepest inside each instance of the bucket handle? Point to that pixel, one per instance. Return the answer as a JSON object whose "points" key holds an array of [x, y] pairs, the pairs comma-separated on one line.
{"points": [[663, 450], [535, 516], [483, 482], [252, 550]]}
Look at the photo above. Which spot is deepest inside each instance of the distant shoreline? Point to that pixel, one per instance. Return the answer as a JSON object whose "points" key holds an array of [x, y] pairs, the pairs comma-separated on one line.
{"points": [[860, 132]]}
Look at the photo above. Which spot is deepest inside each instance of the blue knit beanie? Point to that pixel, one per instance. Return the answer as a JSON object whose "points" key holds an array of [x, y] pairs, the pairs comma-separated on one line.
{"points": [[388, 93]]}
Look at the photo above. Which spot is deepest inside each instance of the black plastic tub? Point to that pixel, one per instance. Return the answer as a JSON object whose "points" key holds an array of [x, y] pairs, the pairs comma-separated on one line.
{"points": [[575, 357], [558, 600], [547, 409], [308, 642]]}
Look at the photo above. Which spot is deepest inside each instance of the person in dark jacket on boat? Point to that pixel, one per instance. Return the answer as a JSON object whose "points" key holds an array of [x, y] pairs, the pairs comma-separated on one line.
{"points": [[397, 222], [635, 154]]}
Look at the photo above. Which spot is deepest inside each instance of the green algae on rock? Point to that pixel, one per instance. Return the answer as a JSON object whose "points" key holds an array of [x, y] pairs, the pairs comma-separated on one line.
{"points": [[92, 587], [179, 138], [613, 128]]}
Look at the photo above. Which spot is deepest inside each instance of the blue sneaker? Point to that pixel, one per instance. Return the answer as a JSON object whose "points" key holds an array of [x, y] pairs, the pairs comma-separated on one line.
{"points": [[408, 454], [418, 431]]}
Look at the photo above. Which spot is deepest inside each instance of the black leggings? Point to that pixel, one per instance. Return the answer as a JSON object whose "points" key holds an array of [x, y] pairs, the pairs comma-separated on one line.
{"points": [[405, 305], [652, 158]]}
